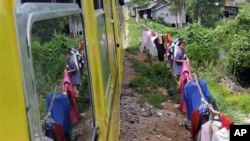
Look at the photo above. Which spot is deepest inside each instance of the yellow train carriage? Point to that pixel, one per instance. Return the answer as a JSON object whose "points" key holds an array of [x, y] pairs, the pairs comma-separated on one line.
{"points": [[102, 27]]}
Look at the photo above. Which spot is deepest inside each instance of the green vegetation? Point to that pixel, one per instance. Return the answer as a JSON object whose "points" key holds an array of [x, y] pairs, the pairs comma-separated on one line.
{"points": [[149, 94], [42, 108], [214, 54], [156, 75], [234, 41], [140, 2], [49, 62], [222, 96], [244, 7], [200, 48], [135, 31], [156, 99], [162, 29], [50, 43], [231, 39], [151, 76], [141, 83], [205, 12]]}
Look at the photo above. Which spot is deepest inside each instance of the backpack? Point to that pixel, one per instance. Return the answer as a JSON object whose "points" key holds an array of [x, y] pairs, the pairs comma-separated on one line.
{"points": [[172, 48], [77, 58], [170, 52]]}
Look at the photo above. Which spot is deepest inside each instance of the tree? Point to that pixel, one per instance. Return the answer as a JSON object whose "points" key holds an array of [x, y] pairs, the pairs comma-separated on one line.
{"points": [[200, 48], [205, 12], [75, 25], [46, 29], [177, 7]]}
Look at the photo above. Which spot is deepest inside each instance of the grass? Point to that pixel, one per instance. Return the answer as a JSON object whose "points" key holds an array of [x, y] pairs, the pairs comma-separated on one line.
{"points": [[244, 7], [156, 99], [162, 29], [151, 76], [42, 108], [235, 105], [132, 50], [241, 101], [141, 82], [135, 30], [156, 75]]}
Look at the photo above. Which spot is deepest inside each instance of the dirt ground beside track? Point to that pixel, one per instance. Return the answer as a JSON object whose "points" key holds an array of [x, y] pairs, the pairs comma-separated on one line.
{"points": [[141, 121]]}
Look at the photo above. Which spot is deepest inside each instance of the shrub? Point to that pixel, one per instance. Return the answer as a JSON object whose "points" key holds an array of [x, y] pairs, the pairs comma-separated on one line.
{"points": [[156, 99], [238, 58], [160, 20], [141, 82], [162, 28], [49, 62], [159, 74], [132, 50], [200, 46]]}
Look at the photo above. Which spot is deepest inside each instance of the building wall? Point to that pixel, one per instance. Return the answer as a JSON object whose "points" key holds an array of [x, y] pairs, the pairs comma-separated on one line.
{"points": [[230, 3], [169, 18], [132, 11], [240, 1]]}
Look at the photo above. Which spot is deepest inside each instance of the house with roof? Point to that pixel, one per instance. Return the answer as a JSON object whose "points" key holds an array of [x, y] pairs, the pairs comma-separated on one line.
{"points": [[158, 9], [230, 8]]}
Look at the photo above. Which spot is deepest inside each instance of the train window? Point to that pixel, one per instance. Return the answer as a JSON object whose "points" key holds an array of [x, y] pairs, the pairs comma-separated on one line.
{"points": [[48, 1], [53, 1], [98, 4], [44, 1], [60, 66], [101, 27], [113, 30]]}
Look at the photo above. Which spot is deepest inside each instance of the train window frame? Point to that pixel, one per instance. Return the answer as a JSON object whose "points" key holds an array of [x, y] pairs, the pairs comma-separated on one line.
{"points": [[100, 13], [79, 2], [115, 42], [25, 17], [49, 1]]}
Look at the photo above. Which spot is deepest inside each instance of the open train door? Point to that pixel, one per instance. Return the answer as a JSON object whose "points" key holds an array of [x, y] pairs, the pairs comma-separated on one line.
{"points": [[46, 31]]}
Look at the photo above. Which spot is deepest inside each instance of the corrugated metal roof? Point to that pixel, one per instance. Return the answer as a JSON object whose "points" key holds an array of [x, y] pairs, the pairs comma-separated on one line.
{"points": [[150, 5], [159, 7]]}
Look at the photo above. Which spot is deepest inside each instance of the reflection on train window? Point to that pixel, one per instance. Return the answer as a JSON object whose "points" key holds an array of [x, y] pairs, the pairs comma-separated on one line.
{"points": [[113, 32], [61, 77], [101, 31], [98, 4], [49, 1], [53, 1]]}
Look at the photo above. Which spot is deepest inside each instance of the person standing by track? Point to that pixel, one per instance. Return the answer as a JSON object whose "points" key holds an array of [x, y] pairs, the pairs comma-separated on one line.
{"points": [[179, 59], [71, 68]]}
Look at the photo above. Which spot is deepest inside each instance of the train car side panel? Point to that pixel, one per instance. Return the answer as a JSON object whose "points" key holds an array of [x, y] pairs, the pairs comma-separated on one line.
{"points": [[13, 120], [95, 68]]}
